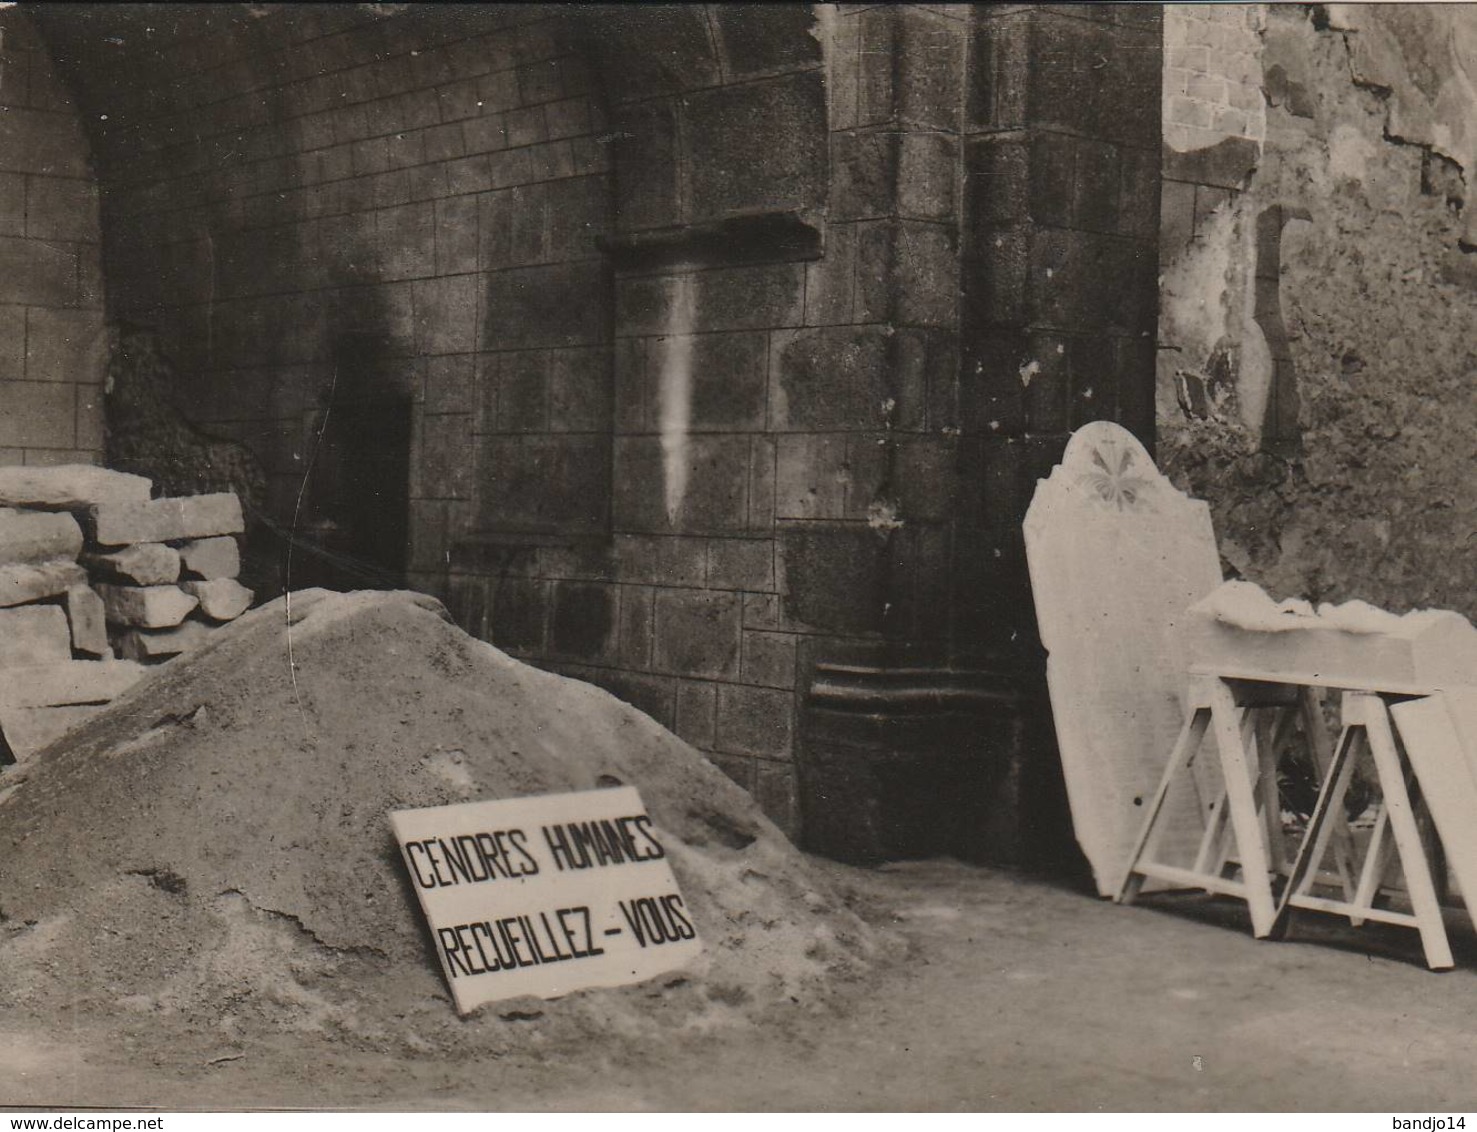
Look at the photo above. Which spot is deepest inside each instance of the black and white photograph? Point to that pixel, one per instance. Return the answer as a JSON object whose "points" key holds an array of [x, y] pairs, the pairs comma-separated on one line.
{"points": [[738, 557]]}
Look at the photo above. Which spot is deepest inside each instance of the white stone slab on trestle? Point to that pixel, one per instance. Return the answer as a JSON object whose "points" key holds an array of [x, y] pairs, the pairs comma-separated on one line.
{"points": [[1116, 556]]}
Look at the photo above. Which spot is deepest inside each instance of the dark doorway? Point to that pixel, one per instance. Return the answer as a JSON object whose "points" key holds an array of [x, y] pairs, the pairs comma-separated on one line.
{"points": [[353, 523]]}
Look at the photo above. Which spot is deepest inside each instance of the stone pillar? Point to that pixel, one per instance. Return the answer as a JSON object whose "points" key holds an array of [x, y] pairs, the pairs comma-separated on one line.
{"points": [[1060, 224], [906, 729]]}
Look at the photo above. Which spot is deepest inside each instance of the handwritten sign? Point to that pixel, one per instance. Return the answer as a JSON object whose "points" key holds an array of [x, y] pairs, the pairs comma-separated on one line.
{"points": [[545, 895]]}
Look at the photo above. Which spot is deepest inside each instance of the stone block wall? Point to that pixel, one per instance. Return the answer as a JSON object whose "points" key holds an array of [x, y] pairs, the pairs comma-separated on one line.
{"points": [[53, 348], [704, 352], [1212, 75], [1062, 137], [343, 213], [1062, 162], [665, 588]]}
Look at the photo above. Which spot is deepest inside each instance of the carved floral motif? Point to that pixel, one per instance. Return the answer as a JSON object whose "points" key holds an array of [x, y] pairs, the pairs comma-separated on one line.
{"points": [[1113, 476]]}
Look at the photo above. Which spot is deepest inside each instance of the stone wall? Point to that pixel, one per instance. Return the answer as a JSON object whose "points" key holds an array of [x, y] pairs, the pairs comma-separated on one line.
{"points": [[1316, 368], [352, 231], [704, 352], [53, 349]]}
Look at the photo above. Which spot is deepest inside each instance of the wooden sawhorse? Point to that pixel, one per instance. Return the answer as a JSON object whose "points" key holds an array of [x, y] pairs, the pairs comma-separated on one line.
{"points": [[1250, 810]]}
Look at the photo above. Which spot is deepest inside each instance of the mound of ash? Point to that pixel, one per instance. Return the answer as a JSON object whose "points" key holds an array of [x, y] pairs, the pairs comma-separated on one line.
{"points": [[212, 851]]}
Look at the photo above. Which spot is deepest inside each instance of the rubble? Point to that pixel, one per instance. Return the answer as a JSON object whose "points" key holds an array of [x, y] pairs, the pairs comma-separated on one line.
{"points": [[69, 487], [89, 621], [161, 644], [34, 634], [210, 558], [221, 599], [143, 564], [147, 607], [86, 569], [166, 520], [70, 682], [38, 536], [22, 582]]}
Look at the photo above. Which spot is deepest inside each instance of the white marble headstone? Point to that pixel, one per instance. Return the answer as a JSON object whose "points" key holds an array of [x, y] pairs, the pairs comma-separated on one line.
{"points": [[1117, 556]]}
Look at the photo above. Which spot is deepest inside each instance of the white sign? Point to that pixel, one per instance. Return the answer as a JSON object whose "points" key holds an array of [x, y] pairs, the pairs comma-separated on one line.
{"points": [[546, 895]]}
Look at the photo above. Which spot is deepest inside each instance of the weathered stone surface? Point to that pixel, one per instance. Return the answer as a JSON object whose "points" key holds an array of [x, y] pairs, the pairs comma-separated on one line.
{"points": [[89, 622], [221, 599], [28, 730], [148, 607], [543, 482], [37, 536], [69, 486], [143, 564], [1375, 502], [21, 582], [160, 644], [584, 620], [34, 634], [165, 520], [69, 682], [757, 147], [210, 558], [1117, 556]]}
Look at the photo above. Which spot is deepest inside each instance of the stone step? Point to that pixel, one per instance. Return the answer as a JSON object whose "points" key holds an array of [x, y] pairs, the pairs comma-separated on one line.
{"points": [[147, 607], [210, 558], [22, 582], [221, 599], [142, 564], [38, 536], [34, 634], [69, 486], [166, 520], [69, 682]]}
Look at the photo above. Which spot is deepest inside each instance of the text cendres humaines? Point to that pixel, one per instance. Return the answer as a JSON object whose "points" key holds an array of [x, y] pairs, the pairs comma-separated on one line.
{"points": [[534, 938]]}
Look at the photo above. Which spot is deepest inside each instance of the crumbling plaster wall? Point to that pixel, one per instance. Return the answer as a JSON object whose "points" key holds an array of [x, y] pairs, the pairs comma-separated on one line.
{"points": [[1317, 374], [52, 343]]}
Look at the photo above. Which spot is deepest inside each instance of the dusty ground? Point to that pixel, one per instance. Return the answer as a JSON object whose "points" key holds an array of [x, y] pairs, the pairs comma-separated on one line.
{"points": [[1018, 995], [201, 907]]}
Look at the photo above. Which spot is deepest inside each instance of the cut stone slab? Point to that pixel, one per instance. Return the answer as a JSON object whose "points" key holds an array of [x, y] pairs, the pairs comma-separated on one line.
{"points": [[1239, 631], [1117, 556], [148, 607], [70, 486], [142, 564], [21, 582], [89, 621], [210, 558], [166, 520], [32, 635], [1440, 737], [153, 645], [221, 599], [38, 536], [28, 730], [160, 644], [69, 682]]}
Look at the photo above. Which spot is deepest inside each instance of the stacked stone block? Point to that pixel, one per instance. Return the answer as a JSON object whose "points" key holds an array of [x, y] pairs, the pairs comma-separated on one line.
{"points": [[96, 580]]}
